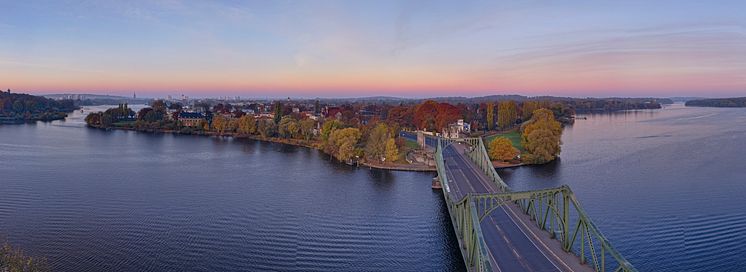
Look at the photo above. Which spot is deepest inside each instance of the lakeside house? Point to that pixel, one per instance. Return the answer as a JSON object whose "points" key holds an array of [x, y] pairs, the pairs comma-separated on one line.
{"points": [[191, 119]]}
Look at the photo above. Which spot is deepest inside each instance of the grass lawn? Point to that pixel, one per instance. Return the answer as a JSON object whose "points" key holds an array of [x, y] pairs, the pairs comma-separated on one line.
{"points": [[411, 144], [514, 136]]}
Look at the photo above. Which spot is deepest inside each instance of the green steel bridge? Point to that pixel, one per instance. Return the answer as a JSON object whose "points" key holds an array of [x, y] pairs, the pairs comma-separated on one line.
{"points": [[502, 230]]}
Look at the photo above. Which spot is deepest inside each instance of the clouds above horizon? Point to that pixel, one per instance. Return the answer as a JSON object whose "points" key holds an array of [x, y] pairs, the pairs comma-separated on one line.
{"points": [[407, 48]]}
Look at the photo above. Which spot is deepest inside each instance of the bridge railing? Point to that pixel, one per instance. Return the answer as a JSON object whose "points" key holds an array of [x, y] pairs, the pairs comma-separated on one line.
{"points": [[477, 152], [555, 210], [465, 222]]}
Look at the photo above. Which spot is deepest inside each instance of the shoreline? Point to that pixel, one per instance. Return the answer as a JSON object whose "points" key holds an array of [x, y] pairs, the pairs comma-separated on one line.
{"points": [[293, 142], [309, 144], [7, 120]]}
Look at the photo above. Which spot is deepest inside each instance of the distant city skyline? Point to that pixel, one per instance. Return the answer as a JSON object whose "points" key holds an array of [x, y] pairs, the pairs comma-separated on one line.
{"points": [[412, 49]]}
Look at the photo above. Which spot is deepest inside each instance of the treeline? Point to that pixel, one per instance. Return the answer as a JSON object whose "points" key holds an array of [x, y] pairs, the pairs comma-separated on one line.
{"points": [[434, 116], [344, 139], [735, 102], [16, 107], [615, 104]]}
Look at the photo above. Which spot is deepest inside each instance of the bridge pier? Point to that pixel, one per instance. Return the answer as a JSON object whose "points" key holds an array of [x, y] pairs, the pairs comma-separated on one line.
{"points": [[436, 183]]}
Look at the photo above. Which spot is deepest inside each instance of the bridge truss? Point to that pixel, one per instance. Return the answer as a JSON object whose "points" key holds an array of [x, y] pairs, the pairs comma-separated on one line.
{"points": [[555, 210]]}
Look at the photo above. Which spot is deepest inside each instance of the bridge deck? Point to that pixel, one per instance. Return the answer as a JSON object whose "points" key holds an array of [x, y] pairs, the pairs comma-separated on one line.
{"points": [[515, 243]]}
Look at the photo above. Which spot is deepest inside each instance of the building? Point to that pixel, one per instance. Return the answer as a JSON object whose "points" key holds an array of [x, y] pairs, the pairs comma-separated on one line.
{"points": [[191, 119], [333, 112], [454, 130]]}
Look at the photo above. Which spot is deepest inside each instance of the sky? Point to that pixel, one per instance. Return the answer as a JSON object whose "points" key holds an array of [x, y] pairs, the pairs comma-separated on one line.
{"points": [[367, 48]]}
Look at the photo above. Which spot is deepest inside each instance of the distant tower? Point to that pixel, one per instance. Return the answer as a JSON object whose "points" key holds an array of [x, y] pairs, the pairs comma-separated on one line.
{"points": [[134, 95]]}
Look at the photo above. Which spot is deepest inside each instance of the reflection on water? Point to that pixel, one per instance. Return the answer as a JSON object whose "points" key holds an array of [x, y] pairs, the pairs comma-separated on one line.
{"points": [[666, 186], [95, 200]]}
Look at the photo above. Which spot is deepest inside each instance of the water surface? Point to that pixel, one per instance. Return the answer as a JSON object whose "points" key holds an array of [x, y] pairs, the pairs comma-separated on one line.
{"points": [[93, 200], [665, 186]]}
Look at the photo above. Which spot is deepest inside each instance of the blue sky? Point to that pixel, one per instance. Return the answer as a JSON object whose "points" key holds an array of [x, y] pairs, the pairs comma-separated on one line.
{"points": [[360, 48]]}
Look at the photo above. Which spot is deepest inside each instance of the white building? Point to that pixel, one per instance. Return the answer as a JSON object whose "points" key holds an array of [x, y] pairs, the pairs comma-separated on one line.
{"points": [[456, 129]]}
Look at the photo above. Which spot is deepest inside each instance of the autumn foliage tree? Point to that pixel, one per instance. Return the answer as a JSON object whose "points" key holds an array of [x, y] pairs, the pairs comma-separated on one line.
{"points": [[392, 151], [446, 114], [490, 116], [434, 116], [528, 108], [541, 137], [375, 146], [424, 115], [342, 143], [288, 127], [502, 149], [507, 113], [247, 125], [219, 124], [306, 128]]}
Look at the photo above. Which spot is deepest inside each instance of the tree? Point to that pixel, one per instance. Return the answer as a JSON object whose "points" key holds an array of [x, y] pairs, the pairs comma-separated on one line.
{"points": [[18, 106], [434, 116], [328, 127], [375, 146], [446, 115], [502, 149], [159, 106], [542, 119], [392, 152], [342, 143], [490, 116], [528, 108], [247, 125], [306, 128], [424, 115], [93, 119], [204, 125], [266, 128], [541, 137], [106, 120], [146, 114], [219, 124], [507, 113], [278, 112], [288, 127], [401, 115]]}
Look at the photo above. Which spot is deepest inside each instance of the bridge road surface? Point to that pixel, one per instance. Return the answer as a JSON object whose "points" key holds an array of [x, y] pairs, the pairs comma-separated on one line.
{"points": [[514, 243]]}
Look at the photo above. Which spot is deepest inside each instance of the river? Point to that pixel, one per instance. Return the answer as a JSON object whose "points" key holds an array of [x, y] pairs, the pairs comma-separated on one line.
{"points": [[666, 186]]}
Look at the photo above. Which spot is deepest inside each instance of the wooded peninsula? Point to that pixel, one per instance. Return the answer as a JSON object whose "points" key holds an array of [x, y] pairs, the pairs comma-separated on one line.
{"points": [[735, 102], [19, 108]]}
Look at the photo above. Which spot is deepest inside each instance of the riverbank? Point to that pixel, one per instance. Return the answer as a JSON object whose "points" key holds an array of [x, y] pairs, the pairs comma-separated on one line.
{"points": [[503, 165], [46, 117], [318, 145], [401, 167]]}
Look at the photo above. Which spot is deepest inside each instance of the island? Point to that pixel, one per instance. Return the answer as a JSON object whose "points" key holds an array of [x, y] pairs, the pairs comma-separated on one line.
{"points": [[17, 108], [734, 102]]}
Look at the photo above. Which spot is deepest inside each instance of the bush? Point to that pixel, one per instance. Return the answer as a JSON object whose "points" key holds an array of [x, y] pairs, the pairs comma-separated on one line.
{"points": [[14, 260]]}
